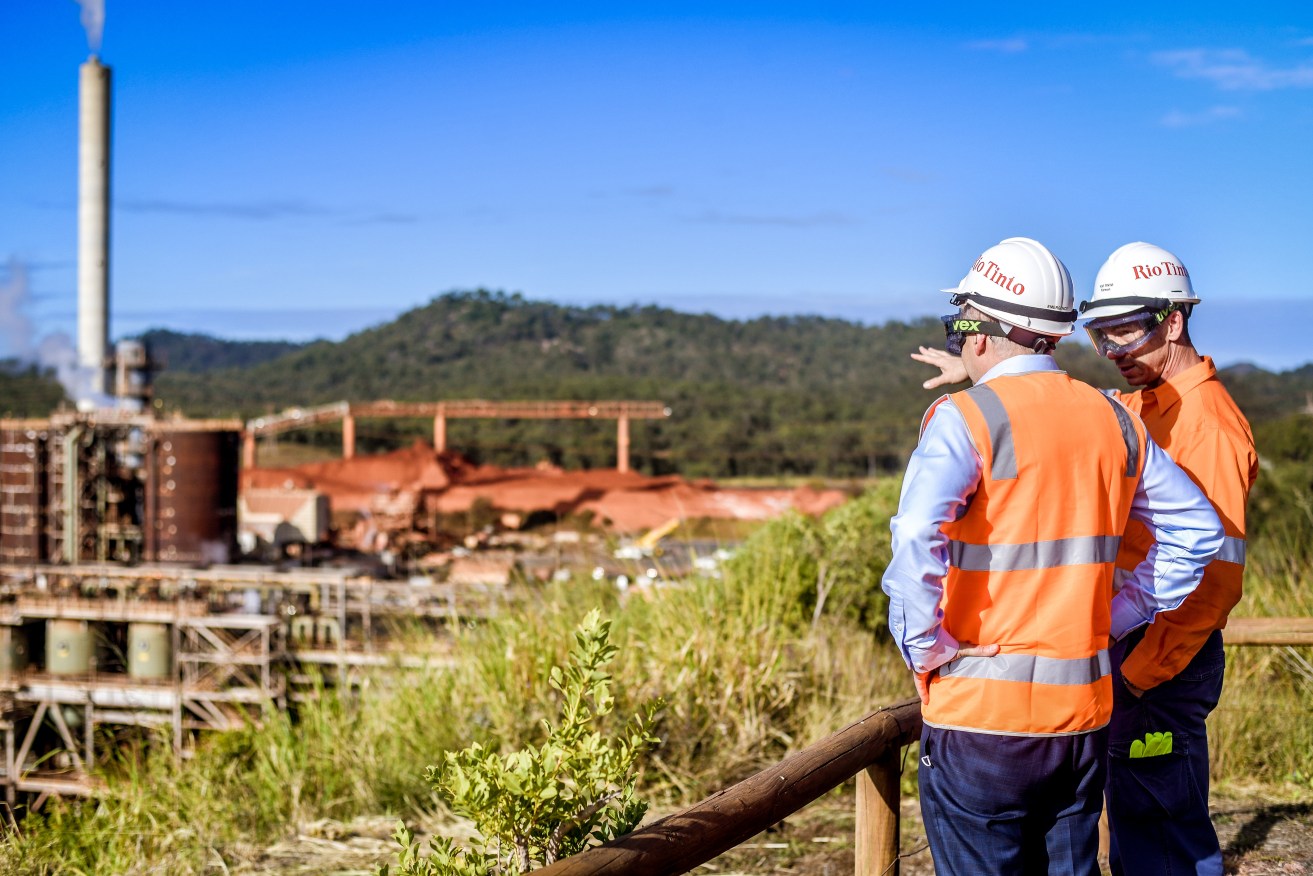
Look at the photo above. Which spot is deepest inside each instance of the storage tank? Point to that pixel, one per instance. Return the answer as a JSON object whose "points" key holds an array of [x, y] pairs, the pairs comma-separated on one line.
{"points": [[13, 650], [191, 508], [23, 452], [70, 647], [303, 630], [328, 631], [149, 651]]}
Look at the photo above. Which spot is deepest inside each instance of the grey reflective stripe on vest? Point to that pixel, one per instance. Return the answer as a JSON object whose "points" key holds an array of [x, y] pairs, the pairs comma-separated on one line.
{"points": [[1000, 432], [1078, 551], [1128, 435], [1233, 551], [1030, 668]]}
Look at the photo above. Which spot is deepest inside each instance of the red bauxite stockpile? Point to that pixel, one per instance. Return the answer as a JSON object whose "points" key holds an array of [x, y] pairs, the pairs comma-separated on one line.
{"points": [[417, 479]]}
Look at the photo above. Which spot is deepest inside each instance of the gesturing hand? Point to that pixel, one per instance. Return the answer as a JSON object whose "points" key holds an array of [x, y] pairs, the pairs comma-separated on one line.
{"points": [[951, 369]]}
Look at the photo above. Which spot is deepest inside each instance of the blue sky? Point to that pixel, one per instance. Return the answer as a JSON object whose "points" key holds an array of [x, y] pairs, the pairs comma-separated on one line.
{"points": [[299, 169]]}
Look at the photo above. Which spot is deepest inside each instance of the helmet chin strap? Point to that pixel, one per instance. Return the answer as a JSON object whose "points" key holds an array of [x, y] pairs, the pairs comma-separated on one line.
{"points": [[1042, 344]]}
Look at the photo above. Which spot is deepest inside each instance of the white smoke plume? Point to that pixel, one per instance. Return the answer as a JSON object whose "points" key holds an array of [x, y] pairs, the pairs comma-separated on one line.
{"points": [[93, 21], [55, 350], [15, 326], [58, 352]]}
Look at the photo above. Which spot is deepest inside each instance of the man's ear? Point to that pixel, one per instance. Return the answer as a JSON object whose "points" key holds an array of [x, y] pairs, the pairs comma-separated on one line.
{"points": [[1175, 325], [981, 342]]}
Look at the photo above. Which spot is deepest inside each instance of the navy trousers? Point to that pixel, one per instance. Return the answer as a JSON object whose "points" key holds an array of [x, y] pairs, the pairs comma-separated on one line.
{"points": [[1158, 806], [1012, 805]]}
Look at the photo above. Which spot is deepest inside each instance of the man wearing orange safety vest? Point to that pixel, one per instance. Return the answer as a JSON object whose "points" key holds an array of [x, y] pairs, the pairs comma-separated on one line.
{"points": [[1170, 672], [1000, 585]]}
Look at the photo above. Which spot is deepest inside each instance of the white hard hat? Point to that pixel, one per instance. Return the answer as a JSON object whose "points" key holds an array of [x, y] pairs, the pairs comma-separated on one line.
{"points": [[1020, 283], [1138, 276]]}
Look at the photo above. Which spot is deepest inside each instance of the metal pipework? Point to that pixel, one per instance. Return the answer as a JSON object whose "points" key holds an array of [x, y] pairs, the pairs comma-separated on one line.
{"points": [[94, 92]]}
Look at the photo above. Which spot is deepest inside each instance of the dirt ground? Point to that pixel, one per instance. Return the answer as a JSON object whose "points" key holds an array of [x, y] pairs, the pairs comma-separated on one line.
{"points": [[1260, 836]]}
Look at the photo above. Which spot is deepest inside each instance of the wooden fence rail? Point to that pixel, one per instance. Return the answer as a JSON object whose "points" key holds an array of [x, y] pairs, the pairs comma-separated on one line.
{"points": [[1291, 631], [869, 749]]}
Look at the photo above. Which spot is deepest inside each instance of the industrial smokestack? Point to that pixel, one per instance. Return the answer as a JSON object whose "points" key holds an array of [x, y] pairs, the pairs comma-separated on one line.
{"points": [[93, 223]]}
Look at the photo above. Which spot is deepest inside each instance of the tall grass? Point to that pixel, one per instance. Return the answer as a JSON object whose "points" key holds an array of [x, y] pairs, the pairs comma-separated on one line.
{"points": [[782, 649], [332, 759], [1262, 730]]}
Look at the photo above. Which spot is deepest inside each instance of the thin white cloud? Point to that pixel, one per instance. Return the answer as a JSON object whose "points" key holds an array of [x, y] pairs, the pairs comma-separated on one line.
{"points": [[1235, 69], [652, 191], [1182, 119], [908, 174], [811, 220], [655, 191], [284, 324], [271, 209], [384, 218], [265, 210], [1010, 46]]}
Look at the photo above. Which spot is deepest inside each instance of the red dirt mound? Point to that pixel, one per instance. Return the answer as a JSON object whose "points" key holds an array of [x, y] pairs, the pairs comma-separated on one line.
{"points": [[417, 478]]}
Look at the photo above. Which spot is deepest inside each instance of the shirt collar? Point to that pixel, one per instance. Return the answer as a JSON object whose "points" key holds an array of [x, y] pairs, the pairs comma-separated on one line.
{"points": [[1171, 391], [1023, 364]]}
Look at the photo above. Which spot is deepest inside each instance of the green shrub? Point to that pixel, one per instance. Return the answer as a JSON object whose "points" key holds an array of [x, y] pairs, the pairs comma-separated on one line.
{"points": [[549, 801], [831, 566]]}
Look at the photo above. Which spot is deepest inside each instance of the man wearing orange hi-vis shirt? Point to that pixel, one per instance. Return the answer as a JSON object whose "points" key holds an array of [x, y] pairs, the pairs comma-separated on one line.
{"points": [[1000, 583], [1170, 673]]}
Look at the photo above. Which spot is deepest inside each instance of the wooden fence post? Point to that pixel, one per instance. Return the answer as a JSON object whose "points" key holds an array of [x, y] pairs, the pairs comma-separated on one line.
{"points": [[876, 844]]}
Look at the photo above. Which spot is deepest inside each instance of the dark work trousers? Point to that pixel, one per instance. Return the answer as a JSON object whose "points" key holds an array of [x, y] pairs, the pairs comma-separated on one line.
{"points": [[998, 805], [1158, 806]]}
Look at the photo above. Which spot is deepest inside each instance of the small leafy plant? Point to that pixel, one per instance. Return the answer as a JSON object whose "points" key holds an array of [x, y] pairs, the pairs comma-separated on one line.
{"points": [[534, 806]]}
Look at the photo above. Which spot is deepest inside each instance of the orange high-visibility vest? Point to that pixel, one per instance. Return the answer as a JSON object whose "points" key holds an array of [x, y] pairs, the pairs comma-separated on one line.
{"points": [[1031, 558]]}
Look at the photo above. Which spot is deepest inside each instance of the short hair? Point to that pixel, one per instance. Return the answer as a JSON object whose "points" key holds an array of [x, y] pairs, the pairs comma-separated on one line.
{"points": [[1184, 310], [1004, 345]]}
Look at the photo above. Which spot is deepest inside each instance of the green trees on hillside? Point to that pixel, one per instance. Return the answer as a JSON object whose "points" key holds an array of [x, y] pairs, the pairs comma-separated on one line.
{"points": [[775, 395], [27, 390], [183, 353], [800, 395], [1281, 504]]}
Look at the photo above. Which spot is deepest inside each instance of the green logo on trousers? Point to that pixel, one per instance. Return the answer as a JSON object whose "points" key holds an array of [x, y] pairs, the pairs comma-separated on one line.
{"points": [[1152, 745]]}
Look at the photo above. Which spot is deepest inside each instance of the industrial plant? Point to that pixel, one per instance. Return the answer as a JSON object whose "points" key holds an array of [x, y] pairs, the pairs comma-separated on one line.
{"points": [[154, 580], [120, 602]]}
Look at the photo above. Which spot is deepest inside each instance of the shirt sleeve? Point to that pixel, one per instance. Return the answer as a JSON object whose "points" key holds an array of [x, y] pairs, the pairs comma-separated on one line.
{"points": [[942, 474], [1187, 534]]}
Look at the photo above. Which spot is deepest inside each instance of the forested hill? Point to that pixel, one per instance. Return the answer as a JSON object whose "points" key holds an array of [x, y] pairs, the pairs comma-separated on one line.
{"points": [[178, 352], [765, 396], [804, 395], [27, 390]]}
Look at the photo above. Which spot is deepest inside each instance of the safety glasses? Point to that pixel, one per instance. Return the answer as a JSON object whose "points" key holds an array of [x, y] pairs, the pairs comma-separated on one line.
{"points": [[1123, 335], [957, 327]]}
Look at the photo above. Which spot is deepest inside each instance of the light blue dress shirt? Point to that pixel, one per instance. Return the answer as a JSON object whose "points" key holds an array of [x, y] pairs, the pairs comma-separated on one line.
{"points": [[943, 474]]}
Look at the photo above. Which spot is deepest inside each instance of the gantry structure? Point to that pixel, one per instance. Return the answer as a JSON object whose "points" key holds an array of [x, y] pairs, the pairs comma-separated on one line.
{"points": [[348, 412]]}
